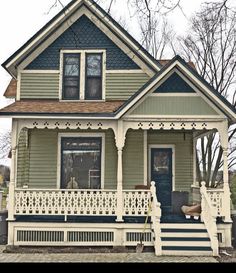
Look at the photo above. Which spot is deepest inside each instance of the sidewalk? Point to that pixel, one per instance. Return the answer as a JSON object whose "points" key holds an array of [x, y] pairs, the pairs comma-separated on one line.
{"points": [[97, 258]]}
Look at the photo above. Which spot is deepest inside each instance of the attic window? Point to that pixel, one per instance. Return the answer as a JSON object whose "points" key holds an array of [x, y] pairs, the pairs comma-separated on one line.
{"points": [[83, 75]]}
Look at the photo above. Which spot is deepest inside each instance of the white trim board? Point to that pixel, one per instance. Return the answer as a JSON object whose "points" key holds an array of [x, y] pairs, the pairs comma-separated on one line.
{"points": [[165, 78], [75, 135], [82, 73], [160, 78], [167, 146]]}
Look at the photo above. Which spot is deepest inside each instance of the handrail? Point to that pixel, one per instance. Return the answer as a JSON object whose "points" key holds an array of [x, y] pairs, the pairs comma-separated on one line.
{"points": [[208, 216], [156, 219]]}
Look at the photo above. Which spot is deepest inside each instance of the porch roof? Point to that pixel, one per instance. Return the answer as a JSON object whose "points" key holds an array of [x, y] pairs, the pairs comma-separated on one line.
{"points": [[29, 107]]}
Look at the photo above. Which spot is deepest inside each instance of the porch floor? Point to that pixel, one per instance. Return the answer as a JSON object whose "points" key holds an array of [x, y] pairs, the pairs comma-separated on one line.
{"points": [[168, 218]]}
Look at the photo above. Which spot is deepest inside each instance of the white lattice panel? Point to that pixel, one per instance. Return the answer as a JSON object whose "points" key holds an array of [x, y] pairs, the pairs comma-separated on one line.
{"points": [[216, 198], [63, 202], [136, 203]]}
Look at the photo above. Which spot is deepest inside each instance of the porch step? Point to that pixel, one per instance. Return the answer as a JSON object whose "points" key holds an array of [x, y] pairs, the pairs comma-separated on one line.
{"points": [[180, 239]]}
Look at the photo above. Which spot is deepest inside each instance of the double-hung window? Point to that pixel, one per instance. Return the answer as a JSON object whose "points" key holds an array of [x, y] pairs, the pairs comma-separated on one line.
{"points": [[93, 82], [71, 77], [83, 73]]}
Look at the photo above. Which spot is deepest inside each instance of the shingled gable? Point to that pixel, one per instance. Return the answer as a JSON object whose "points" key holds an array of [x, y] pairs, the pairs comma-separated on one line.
{"points": [[202, 85], [33, 47]]}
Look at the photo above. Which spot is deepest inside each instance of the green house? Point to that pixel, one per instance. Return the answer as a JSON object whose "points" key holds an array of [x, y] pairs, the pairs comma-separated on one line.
{"points": [[104, 136]]}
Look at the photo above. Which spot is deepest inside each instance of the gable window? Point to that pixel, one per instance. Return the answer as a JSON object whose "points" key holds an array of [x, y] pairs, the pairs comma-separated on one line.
{"points": [[93, 86], [81, 162], [83, 75], [71, 76]]}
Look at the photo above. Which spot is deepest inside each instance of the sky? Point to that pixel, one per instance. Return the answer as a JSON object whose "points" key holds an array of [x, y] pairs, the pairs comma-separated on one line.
{"points": [[20, 20]]}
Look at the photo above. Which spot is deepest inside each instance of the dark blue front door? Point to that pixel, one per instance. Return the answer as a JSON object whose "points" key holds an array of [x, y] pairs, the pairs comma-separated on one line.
{"points": [[161, 173]]}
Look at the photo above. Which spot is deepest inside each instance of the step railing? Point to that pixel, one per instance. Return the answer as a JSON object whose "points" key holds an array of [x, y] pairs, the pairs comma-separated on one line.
{"points": [[208, 216], [156, 220]]}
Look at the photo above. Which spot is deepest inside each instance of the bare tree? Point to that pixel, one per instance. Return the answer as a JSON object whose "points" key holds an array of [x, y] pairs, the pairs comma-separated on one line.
{"points": [[211, 44], [5, 144]]}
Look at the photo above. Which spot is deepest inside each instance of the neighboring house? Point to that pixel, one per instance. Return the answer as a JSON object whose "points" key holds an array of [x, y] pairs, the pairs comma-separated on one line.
{"points": [[96, 119]]}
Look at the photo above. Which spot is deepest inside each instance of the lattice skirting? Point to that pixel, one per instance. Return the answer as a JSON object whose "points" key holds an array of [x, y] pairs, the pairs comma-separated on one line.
{"points": [[47, 234]]}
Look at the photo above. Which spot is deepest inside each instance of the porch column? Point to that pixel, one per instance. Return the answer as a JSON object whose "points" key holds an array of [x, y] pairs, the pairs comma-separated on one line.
{"points": [[223, 131], [120, 142], [12, 174]]}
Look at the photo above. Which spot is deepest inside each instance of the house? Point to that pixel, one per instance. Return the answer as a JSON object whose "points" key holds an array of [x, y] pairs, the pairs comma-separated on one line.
{"points": [[101, 132]]}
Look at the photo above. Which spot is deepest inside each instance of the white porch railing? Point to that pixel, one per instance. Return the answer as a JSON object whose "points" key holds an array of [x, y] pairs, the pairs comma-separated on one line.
{"points": [[208, 216], [216, 197], [65, 202], [79, 202], [135, 202]]}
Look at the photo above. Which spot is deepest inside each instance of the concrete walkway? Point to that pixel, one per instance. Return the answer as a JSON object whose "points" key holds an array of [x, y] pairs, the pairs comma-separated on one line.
{"points": [[98, 258]]}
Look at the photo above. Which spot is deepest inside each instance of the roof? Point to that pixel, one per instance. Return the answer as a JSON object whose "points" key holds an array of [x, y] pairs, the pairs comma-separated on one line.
{"points": [[227, 108], [164, 62], [31, 107], [44, 33], [11, 89]]}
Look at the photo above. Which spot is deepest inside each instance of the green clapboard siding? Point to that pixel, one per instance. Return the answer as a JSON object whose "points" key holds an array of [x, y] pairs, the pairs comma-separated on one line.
{"points": [[110, 161], [133, 159], [39, 86], [23, 159], [183, 155], [122, 86], [37, 165], [174, 106], [43, 159]]}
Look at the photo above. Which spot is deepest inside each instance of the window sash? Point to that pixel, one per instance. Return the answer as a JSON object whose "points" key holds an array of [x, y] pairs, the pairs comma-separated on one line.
{"points": [[79, 151], [75, 78], [89, 77]]}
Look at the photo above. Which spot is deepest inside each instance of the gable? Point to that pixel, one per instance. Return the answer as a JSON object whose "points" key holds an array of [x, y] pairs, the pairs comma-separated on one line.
{"points": [[83, 34], [174, 106], [174, 84]]}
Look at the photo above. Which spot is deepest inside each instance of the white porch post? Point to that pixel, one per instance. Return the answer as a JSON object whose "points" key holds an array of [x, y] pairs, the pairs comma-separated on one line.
{"points": [[11, 199], [223, 131], [120, 142]]}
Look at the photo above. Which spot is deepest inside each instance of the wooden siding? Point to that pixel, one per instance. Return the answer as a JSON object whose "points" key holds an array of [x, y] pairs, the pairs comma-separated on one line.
{"points": [[174, 106], [110, 161], [39, 86], [122, 86], [133, 160], [22, 160], [183, 155], [37, 165], [43, 159]]}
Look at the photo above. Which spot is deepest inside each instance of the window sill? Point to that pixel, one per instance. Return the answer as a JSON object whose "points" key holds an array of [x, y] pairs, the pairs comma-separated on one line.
{"points": [[103, 100]]}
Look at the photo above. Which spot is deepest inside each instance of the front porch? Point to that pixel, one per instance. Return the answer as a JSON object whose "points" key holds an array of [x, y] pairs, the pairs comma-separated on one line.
{"points": [[43, 213]]}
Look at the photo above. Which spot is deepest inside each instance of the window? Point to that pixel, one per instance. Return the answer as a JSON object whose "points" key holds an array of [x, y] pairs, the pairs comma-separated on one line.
{"points": [[71, 76], [93, 87], [81, 162], [82, 74]]}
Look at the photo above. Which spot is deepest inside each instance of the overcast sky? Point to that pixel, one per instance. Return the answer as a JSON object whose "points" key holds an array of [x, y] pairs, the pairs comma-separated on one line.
{"points": [[20, 19]]}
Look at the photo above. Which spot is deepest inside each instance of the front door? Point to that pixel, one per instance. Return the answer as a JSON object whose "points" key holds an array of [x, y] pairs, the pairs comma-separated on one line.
{"points": [[161, 174]]}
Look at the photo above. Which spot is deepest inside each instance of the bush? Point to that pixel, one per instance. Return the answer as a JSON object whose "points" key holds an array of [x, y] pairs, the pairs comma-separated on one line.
{"points": [[233, 191]]}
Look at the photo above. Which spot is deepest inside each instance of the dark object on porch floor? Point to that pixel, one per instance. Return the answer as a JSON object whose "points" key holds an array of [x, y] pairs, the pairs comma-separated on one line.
{"points": [[3, 227], [234, 230], [179, 199]]}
